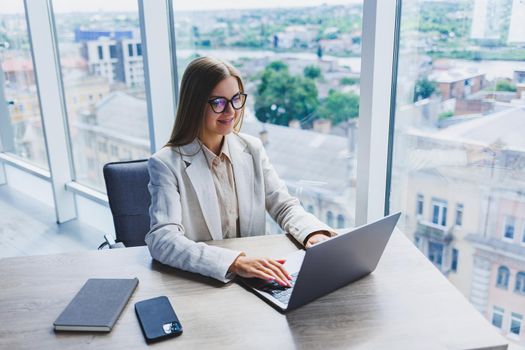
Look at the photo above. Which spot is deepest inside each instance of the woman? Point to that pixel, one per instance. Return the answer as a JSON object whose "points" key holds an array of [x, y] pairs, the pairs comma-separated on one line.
{"points": [[212, 182]]}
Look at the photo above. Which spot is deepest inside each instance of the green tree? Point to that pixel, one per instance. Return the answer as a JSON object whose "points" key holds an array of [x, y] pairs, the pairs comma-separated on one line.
{"points": [[348, 81], [504, 85], [339, 107], [312, 72], [424, 89], [282, 97]]}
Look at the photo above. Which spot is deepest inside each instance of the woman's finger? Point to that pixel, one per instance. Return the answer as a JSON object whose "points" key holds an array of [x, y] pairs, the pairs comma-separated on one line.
{"points": [[282, 275], [272, 273], [278, 265], [264, 276]]}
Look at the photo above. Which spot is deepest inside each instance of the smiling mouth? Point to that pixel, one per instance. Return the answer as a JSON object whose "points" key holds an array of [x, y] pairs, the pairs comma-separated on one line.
{"points": [[226, 121]]}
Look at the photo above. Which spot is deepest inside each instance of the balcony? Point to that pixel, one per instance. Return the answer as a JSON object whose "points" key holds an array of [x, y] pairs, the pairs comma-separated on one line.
{"points": [[434, 232]]}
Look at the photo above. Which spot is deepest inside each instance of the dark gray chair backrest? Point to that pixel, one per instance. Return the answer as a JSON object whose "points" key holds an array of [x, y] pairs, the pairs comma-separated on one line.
{"points": [[129, 200]]}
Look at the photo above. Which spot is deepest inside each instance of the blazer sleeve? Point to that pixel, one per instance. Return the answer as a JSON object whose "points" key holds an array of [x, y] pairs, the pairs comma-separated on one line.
{"points": [[286, 209], [166, 239]]}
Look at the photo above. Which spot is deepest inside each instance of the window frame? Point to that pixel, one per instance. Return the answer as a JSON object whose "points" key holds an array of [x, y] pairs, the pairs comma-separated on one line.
{"points": [[503, 231], [340, 221], [496, 310], [420, 204], [380, 39], [330, 218], [520, 277], [505, 285], [460, 208], [454, 260], [514, 316], [442, 211]]}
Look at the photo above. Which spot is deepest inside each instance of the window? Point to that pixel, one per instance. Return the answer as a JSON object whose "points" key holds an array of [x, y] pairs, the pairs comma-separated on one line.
{"points": [[439, 212], [435, 253], [301, 66], [519, 287], [114, 151], [113, 51], [497, 316], [340, 221], [130, 50], [508, 228], [102, 147], [515, 323], [447, 88], [329, 218], [459, 214], [523, 234], [139, 49], [454, 262], [92, 49], [21, 130], [503, 277], [419, 204], [100, 52]]}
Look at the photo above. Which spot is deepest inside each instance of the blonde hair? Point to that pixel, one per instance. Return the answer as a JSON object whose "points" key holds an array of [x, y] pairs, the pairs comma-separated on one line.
{"points": [[198, 81]]}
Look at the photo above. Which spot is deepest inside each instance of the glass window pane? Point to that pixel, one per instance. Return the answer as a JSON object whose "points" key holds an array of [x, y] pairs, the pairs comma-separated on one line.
{"points": [[103, 83], [515, 323], [301, 67], [455, 257], [21, 130], [497, 317], [510, 224], [458, 136], [419, 204], [520, 283]]}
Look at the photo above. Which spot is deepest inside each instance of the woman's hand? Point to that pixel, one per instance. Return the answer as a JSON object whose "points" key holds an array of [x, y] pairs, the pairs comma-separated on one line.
{"points": [[316, 238], [263, 268]]}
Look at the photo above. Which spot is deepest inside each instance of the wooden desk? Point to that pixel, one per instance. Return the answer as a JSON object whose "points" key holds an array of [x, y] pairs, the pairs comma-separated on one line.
{"points": [[405, 304]]}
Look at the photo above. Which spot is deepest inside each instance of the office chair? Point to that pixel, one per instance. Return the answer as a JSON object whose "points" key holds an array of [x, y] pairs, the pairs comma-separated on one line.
{"points": [[129, 201]]}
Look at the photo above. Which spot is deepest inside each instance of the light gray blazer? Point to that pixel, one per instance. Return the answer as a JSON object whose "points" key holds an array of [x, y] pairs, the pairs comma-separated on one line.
{"points": [[184, 208]]}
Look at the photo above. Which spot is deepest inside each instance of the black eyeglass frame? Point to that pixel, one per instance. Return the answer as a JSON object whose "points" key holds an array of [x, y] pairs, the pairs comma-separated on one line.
{"points": [[230, 101]]}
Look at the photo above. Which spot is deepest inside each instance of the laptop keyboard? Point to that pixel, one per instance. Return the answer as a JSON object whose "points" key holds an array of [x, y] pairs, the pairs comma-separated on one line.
{"points": [[279, 292]]}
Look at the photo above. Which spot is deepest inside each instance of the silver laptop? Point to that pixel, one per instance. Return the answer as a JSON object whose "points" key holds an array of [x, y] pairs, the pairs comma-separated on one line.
{"points": [[327, 266]]}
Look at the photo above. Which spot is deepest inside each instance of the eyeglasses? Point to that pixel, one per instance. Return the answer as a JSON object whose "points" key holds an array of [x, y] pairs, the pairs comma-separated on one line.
{"points": [[219, 104]]}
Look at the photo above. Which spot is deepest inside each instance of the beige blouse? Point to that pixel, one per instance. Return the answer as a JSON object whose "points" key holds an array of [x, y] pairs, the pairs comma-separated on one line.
{"points": [[222, 174]]}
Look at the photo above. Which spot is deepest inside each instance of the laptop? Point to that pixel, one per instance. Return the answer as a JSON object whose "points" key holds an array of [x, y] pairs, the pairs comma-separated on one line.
{"points": [[327, 266]]}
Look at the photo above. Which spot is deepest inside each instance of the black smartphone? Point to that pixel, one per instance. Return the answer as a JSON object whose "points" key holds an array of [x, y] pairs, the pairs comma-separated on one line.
{"points": [[157, 319]]}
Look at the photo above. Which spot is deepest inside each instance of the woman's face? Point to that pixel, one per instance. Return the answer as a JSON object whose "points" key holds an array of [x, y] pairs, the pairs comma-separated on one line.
{"points": [[219, 124]]}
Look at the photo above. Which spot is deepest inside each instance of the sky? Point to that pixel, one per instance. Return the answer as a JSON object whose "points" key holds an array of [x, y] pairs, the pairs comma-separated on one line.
{"points": [[16, 6]]}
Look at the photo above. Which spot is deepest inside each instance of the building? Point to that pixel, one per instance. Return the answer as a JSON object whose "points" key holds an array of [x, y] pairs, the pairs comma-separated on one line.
{"points": [[457, 84], [465, 210], [18, 71], [519, 76], [116, 60], [85, 34], [113, 129], [318, 168]]}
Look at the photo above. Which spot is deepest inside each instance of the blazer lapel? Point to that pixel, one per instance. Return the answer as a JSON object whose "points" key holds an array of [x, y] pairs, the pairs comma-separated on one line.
{"points": [[201, 179], [242, 162]]}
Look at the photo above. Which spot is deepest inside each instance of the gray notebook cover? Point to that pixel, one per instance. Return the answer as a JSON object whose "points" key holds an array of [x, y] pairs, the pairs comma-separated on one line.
{"points": [[97, 305]]}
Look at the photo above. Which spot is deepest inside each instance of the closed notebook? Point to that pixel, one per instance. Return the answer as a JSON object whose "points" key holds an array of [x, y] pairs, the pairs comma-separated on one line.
{"points": [[97, 306]]}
